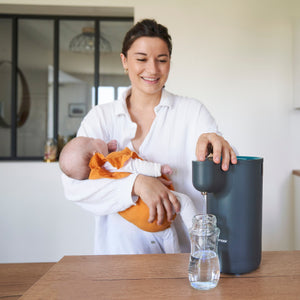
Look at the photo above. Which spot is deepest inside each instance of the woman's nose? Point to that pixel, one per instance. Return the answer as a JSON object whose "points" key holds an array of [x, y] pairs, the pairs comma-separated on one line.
{"points": [[152, 67]]}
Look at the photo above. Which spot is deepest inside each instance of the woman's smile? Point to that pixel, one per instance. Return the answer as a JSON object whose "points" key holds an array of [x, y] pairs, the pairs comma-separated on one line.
{"points": [[150, 79]]}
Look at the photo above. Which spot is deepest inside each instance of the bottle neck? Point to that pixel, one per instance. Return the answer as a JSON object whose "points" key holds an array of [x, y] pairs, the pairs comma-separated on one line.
{"points": [[205, 224]]}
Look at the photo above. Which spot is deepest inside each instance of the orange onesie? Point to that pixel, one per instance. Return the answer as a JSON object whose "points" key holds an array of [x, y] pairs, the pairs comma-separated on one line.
{"points": [[137, 214]]}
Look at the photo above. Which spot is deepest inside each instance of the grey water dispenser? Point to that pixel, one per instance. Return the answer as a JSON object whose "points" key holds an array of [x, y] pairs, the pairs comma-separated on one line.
{"points": [[235, 198]]}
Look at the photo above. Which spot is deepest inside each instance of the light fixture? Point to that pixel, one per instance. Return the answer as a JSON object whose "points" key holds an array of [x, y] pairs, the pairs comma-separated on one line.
{"points": [[85, 42]]}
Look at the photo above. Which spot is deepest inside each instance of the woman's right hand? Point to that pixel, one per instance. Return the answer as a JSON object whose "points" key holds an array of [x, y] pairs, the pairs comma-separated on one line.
{"points": [[157, 196]]}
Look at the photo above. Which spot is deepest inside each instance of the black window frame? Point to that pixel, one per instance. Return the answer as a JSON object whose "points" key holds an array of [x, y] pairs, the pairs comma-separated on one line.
{"points": [[14, 58]]}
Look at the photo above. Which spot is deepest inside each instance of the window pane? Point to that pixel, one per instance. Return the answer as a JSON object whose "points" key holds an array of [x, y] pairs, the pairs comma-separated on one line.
{"points": [[5, 87], [76, 76], [111, 70], [35, 54], [121, 90], [107, 93]]}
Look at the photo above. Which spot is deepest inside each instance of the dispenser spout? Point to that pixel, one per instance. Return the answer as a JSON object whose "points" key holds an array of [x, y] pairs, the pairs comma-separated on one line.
{"points": [[204, 194]]}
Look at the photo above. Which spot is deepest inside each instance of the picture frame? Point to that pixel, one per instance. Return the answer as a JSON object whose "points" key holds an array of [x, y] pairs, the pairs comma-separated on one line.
{"points": [[77, 110]]}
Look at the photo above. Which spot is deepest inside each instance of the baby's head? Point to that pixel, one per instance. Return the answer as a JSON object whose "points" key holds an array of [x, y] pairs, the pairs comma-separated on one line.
{"points": [[75, 156]]}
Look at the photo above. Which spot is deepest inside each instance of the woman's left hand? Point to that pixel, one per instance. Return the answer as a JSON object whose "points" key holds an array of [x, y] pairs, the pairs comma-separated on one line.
{"points": [[212, 142]]}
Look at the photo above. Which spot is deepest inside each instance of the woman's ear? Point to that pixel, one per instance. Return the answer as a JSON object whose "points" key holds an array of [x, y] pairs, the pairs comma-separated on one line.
{"points": [[124, 61]]}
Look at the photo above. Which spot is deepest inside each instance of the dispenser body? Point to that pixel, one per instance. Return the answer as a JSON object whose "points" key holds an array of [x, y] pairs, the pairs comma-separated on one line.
{"points": [[236, 201]]}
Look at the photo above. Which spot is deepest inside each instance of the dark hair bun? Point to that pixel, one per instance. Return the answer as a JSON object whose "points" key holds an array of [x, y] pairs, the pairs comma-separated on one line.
{"points": [[146, 28]]}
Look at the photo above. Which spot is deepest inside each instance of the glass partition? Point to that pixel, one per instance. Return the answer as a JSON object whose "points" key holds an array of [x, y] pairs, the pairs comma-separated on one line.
{"points": [[76, 76], [35, 55], [53, 70]]}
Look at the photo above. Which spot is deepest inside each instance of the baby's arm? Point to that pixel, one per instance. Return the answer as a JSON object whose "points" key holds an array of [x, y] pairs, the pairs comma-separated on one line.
{"points": [[143, 167]]}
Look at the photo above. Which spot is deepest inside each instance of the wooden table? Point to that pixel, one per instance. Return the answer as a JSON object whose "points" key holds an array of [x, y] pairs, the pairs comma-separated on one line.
{"points": [[163, 276], [15, 279]]}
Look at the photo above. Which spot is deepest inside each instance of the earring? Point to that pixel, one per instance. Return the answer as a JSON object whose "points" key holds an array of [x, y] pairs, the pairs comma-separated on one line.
{"points": [[126, 71]]}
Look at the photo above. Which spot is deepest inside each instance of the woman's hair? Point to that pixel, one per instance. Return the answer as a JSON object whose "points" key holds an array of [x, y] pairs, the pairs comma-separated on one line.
{"points": [[146, 28]]}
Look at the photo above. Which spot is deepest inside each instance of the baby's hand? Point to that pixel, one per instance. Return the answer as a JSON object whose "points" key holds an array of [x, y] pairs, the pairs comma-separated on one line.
{"points": [[166, 169], [112, 146]]}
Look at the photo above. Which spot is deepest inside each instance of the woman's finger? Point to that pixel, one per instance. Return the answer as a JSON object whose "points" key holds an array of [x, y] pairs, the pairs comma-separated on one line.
{"points": [[160, 213], [152, 214], [168, 209], [175, 202]]}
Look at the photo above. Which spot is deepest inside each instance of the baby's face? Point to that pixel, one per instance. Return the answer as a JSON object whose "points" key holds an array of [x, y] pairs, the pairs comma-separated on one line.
{"points": [[100, 146]]}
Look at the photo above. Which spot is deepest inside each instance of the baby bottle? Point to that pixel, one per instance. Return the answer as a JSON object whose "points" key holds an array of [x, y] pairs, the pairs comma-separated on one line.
{"points": [[204, 267]]}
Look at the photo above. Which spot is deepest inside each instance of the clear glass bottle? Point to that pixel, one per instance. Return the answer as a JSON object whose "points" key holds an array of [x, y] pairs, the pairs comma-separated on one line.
{"points": [[204, 266]]}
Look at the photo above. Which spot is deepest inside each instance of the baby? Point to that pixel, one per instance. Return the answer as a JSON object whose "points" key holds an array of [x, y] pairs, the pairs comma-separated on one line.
{"points": [[84, 158], [76, 155]]}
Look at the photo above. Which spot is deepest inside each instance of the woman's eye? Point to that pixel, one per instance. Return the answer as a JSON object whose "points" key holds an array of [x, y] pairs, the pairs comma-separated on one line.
{"points": [[141, 59], [162, 61]]}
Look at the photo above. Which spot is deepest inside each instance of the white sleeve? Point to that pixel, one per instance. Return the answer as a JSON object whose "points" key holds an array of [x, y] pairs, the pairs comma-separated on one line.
{"points": [[187, 210], [142, 167], [100, 196]]}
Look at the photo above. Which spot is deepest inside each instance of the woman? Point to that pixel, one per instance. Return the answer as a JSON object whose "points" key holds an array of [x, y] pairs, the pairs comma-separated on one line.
{"points": [[160, 127]]}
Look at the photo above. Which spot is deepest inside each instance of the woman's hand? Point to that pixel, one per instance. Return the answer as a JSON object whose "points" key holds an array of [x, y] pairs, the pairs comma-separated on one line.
{"points": [[157, 197], [211, 142]]}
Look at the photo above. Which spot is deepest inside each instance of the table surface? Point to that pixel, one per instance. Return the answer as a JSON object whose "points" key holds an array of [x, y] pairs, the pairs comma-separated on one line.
{"points": [[15, 279], [159, 276]]}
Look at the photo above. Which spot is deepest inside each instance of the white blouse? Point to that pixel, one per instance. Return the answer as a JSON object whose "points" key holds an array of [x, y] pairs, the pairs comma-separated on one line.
{"points": [[171, 140]]}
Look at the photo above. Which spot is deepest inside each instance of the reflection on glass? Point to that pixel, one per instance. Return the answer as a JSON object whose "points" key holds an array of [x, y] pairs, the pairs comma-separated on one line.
{"points": [[35, 54], [85, 42], [121, 90], [107, 94], [5, 87], [76, 79], [111, 69]]}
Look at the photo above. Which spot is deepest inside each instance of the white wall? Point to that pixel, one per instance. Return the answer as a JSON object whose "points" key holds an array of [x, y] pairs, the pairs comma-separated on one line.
{"points": [[236, 57], [296, 206], [36, 222]]}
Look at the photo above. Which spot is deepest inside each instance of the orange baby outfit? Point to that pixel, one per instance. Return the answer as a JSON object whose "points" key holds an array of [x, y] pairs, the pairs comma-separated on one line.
{"points": [[137, 214]]}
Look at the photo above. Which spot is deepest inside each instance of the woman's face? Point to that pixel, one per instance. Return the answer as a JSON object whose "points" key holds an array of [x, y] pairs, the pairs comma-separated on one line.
{"points": [[148, 64]]}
